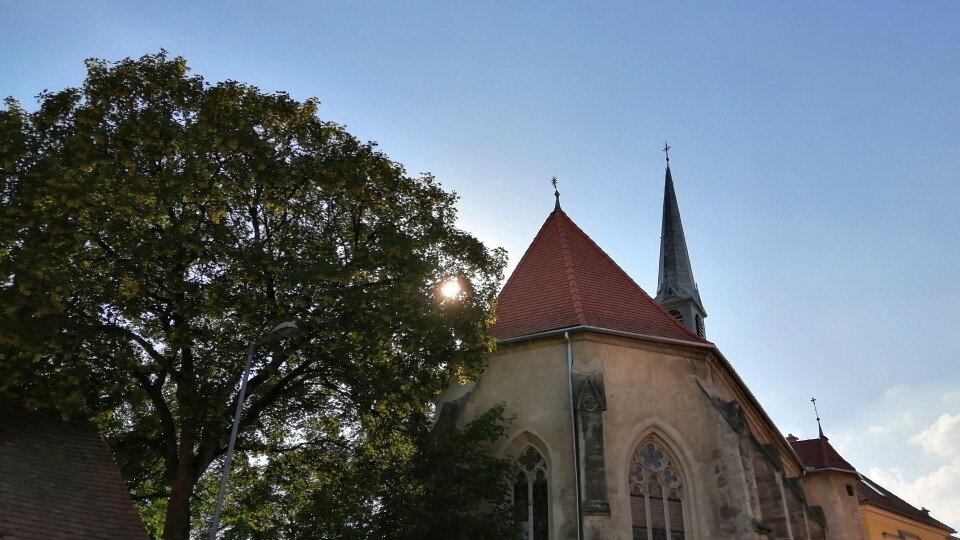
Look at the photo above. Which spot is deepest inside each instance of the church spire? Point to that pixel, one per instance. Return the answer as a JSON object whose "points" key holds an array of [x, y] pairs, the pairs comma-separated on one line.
{"points": [[676, 289]]}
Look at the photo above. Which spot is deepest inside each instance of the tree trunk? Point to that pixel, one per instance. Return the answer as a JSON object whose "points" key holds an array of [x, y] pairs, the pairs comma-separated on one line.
{"points": [[177, 524]]}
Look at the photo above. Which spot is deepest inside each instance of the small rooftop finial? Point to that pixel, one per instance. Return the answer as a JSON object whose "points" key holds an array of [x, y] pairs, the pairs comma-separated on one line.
{"points": [[666, 150], [814, 401], [556, 193]]}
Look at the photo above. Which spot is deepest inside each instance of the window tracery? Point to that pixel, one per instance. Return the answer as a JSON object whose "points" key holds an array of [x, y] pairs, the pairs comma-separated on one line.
{"points": [[656, 493], [530, 492]]}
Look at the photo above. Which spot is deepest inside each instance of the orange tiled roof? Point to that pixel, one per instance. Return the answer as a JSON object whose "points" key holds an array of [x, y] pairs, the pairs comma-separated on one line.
{"points": [[565, 280]]}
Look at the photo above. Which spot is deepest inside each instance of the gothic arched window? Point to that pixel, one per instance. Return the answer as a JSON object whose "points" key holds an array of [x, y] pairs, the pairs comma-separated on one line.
{"points": [[677, 315], [530, 495], [700, 326], [656, 493]]}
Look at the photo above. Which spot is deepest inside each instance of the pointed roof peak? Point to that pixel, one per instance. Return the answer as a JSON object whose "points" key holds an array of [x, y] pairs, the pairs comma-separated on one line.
{"points": [[565, 280], [675, 280]]}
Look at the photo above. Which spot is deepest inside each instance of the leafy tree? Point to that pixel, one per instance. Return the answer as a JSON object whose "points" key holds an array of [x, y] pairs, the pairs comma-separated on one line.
{"points": [[152, 225], [442, 485]]}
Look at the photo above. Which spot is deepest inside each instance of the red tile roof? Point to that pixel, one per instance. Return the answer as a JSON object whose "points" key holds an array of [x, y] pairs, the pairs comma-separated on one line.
{"points": [[819, 454], [59, 481], [565, 280]]}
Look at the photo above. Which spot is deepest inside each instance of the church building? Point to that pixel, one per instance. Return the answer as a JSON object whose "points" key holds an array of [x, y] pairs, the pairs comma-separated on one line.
{"points": [[627, 422]]}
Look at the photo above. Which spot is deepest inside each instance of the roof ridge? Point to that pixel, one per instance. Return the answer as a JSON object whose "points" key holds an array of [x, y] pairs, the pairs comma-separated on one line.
{"points": [[647, 297], [571, 272]]}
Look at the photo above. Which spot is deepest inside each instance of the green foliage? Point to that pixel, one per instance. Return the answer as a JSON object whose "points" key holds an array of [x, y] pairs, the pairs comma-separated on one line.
{"points": [[463, 492], [152, 225], [439, 484]]}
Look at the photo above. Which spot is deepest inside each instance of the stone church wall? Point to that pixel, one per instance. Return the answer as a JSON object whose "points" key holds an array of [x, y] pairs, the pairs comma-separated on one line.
{"points": [[625, 392], [531, 380]]}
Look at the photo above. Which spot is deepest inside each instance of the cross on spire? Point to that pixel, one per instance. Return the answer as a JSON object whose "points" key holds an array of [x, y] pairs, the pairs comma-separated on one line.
{"points": [[814, 401], [666, 150], [556, 193]]}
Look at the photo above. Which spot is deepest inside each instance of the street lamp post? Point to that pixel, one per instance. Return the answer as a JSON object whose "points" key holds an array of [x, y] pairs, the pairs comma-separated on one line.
{"points": [[279, 332]]}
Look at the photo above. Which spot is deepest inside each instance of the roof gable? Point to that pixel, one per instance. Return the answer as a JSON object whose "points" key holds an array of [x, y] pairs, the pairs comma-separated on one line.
{"points": [[55, 467], [565, 280]]}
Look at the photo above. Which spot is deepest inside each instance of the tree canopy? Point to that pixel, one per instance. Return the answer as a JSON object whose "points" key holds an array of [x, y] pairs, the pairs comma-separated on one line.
{"points": [[152, 225]]}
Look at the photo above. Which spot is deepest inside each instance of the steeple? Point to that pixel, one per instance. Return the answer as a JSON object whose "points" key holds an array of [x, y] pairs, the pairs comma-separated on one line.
{"points": [[676, 289]]}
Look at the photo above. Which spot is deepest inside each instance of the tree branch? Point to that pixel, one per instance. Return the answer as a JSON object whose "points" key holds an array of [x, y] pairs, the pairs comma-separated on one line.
{"points": [[155, 391], [144, 344]]}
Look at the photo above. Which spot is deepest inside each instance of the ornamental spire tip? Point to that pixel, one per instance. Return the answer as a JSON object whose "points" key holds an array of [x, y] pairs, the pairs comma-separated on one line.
{"points": [[556, 193], [814, 401]]}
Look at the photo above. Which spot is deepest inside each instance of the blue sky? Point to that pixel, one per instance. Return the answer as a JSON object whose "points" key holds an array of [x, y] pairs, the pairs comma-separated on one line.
{"points": [[816, 153]]}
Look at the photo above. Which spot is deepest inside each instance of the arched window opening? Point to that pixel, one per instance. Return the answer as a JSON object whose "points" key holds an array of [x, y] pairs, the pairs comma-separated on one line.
{"points": [[699, 322], [677, 315], [530, 509], [656, 493]]}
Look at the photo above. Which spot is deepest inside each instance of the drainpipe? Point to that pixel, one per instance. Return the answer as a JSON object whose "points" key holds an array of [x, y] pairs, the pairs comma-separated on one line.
{"points": [[573, 433]]}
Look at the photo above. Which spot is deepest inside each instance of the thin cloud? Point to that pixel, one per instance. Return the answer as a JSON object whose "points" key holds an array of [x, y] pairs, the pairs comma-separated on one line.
{"points": [[942, 438], [911, 446]]}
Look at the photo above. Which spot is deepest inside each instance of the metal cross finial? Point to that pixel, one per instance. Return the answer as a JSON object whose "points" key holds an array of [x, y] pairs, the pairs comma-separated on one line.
{"points": [[556, 193], [814, 401], [666, 150]]}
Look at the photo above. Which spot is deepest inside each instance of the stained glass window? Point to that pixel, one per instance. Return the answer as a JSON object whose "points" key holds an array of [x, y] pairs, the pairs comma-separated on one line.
{"points": [[530, 493], [656, 493]]}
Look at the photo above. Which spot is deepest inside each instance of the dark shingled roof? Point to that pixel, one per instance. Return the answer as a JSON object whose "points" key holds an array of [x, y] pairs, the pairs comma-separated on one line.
{"points": [[59, 481], [870, 492], [565, 280], [675, 280]]}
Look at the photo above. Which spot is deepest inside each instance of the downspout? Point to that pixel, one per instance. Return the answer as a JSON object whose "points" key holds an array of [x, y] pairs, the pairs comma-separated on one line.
{"points": [[573, 433]]}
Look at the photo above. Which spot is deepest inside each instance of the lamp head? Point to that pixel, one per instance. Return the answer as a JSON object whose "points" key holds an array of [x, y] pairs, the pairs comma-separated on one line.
{"points": [[283, 330]]}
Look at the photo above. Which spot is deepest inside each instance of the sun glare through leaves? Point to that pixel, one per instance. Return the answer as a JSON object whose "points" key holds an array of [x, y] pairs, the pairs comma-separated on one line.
{"points": [[450, 289]]}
